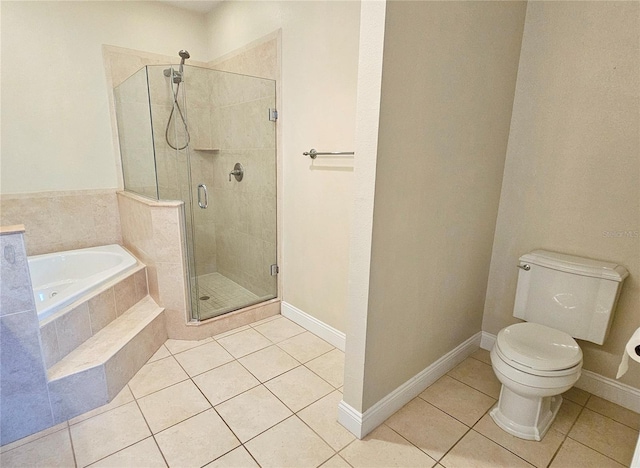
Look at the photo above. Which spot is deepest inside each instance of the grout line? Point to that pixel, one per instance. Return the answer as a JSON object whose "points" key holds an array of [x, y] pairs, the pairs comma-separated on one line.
{"points": [[260, 433], [335, 388], [105, 411], [476, 389], [507, 449], [308, 360], [595, 450], [159, 449], [576, 421], [555, 454], [230, 332], [306, 406], [411, 443], [35, 436], [614, 420], [73, 450], [335, 452], [463, 435], [188, 349]]}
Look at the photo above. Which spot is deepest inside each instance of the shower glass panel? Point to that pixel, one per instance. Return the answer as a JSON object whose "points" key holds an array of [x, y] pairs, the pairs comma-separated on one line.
{"points": [[134, 132], [204, 122]]}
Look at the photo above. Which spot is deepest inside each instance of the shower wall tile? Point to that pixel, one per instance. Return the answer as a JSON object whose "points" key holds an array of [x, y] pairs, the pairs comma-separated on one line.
{"points": [[58, 221], [257, 60], [246, 220]]}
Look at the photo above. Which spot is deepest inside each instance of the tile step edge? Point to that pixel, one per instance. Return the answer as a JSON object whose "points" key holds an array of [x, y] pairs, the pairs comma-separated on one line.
{"points": [[102, 346]]}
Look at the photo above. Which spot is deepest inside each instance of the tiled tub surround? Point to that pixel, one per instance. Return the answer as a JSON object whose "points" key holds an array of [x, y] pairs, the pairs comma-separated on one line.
{"points": [[64, 331], [95, 372], [267, 395], [24, 395], [59, 221], [94, 346], [153, 231]]}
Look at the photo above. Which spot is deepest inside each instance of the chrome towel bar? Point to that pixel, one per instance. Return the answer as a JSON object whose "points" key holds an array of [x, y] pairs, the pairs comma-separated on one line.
{"points": [[312, 153]]}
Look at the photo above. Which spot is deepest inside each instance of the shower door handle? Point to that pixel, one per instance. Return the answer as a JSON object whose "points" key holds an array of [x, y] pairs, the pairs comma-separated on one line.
{"points": [[203, 188]]}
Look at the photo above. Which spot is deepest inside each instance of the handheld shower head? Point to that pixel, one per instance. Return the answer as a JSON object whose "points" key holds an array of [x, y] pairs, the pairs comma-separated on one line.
{"points": [[184, 55]]}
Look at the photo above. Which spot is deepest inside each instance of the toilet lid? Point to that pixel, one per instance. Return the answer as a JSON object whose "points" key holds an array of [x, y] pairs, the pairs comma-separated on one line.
{"points": [[539, 347]]}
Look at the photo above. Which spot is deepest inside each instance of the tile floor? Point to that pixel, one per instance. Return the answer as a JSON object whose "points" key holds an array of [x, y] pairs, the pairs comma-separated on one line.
{"points": [[267, 395], [224, 295]]}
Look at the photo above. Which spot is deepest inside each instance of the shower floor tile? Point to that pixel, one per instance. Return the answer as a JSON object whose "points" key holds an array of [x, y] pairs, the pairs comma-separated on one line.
{"points": [[232, 419], [223, 294]]}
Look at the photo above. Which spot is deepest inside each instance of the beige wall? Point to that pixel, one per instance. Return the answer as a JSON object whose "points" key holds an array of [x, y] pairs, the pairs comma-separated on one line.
{"points": [[56, 132], [319, 69], [572, 169], [447, 90]]}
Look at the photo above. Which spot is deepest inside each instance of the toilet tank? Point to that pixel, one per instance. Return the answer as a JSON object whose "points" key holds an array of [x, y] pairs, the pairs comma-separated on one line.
{"points": [[573, 294]]}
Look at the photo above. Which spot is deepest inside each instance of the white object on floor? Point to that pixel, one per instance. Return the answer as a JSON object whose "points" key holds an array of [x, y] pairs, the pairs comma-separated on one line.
{"points": [[561, 297]]}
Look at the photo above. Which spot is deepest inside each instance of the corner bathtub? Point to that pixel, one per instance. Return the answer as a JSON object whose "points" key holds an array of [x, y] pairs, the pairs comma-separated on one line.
{"points": [[62, 277]]}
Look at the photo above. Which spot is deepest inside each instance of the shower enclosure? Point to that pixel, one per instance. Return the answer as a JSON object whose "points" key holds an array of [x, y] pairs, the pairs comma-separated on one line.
{"points": [[207, 137]]}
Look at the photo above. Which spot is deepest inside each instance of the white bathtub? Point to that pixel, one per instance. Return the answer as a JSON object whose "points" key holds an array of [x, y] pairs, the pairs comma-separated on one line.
{"points": [[62, 277]]}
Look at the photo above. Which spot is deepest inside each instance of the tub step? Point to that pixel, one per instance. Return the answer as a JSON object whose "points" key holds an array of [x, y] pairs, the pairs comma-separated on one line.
{"points": [[95, 372]]}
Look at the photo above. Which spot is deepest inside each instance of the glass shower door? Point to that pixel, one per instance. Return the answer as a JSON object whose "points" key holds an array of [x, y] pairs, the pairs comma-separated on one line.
{"points": [[232, 172], [206, 137]]}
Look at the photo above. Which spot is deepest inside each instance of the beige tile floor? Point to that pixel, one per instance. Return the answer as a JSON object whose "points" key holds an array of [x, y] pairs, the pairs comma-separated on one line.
{"points": [[267, 395]]}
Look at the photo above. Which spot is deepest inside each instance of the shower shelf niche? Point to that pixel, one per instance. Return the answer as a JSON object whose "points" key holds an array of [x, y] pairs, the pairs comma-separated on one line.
{"points": [[210, 150]]}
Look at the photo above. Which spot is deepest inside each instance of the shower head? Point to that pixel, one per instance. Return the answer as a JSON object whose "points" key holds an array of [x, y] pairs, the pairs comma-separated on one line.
{"points": [[184, 55]]}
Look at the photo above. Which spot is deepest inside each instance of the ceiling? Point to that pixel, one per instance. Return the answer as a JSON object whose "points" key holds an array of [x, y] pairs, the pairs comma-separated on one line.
{"points": [[199, 6]]}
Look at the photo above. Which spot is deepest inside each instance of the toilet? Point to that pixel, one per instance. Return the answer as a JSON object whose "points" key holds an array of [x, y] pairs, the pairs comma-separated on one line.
{"points": [[560, 297]]}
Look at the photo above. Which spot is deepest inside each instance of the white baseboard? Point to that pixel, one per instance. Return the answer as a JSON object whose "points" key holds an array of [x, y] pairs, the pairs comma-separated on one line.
{"points": [[604, 387], [610, 389], [487, 341], [360, 424], [315, 326]]}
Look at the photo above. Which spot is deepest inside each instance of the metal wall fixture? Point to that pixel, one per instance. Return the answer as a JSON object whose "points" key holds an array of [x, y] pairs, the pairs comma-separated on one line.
{"points": [[238, 172], [313, 153], [203, 203]]}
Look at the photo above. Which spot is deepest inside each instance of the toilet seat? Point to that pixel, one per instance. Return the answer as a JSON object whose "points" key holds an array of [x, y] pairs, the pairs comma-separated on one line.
{"points": [[537, 349]]}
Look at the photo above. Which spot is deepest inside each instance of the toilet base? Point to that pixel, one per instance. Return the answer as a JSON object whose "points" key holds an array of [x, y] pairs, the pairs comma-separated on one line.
{"points": [[525, 417]]}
